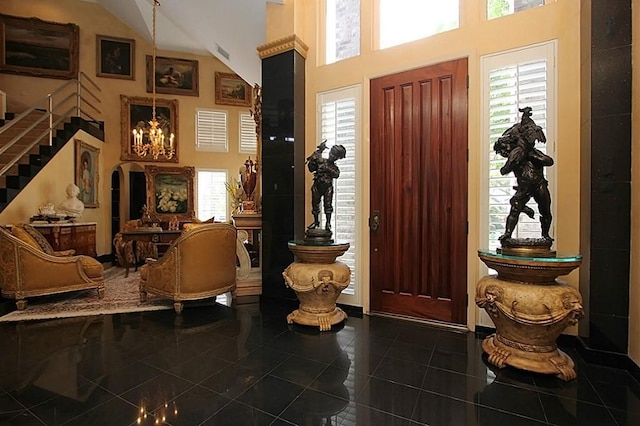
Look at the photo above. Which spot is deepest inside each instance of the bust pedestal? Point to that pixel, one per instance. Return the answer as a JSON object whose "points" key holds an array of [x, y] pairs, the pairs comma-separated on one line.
{"points": [[529, 308], [318, 279]]}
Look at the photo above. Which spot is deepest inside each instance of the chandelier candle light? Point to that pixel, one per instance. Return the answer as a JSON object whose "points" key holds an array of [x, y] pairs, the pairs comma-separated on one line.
{"points": [[155, 145]]}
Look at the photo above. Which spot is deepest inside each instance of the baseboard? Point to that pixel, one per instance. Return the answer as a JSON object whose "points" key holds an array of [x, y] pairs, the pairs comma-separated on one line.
{"points": [[590, 355]]}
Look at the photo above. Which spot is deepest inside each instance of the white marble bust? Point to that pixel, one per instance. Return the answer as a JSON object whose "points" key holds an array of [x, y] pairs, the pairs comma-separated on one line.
{"points": [[72, 206]]}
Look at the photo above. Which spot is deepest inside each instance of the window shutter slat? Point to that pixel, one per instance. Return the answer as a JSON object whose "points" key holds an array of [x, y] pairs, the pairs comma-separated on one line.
{"points": [[248, 141], [211, 130]]}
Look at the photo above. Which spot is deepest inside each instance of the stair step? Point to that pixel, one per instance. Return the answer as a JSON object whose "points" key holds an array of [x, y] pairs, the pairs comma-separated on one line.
{"points": [[6, 195], [21, 173]]}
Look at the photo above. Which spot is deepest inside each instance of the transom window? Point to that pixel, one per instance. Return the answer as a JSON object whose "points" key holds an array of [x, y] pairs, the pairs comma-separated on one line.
{"points": [[402, 21], [498, 8], [342, 29]]}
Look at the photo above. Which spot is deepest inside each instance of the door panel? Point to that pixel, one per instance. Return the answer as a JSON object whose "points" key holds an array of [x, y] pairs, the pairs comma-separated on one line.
{"points": [[419, 186]]}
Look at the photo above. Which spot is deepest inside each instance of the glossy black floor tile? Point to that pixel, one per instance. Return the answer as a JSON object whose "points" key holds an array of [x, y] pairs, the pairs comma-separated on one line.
{"points": [[221, 365]]}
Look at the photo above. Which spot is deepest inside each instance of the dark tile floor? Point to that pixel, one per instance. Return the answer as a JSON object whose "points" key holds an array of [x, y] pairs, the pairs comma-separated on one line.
{"points": [[217, 365]]}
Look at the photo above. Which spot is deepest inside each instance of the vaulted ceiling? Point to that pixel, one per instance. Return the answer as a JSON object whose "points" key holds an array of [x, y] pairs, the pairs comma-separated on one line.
{"points": [[230, 30]]}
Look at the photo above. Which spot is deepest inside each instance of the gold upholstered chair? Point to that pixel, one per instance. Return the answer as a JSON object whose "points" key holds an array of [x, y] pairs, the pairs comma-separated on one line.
{"points": [[28, 270], [199, 264]]}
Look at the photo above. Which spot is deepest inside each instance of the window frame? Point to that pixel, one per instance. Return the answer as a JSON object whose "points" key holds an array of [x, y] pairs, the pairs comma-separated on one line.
{"points": [[335, 95], [212, 147], [197, 193], [547, 51]]}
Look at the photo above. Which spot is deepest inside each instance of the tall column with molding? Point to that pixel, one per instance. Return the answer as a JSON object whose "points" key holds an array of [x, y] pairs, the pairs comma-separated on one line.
{"points": [[283, 156]]}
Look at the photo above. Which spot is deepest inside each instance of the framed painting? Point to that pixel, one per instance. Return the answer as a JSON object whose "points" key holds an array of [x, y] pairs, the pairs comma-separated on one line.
{"points": [[115, 57], [135, 113], [232, 90], [31, 46], [173, 76], [170, 192], [87, 175]]}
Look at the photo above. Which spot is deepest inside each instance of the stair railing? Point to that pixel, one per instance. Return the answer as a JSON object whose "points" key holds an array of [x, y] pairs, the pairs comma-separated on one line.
{"points": [[58, 106]]}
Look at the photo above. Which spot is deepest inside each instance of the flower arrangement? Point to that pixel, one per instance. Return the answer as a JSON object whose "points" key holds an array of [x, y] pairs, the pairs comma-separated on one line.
{"points": [[236, 193], [171, 200]]}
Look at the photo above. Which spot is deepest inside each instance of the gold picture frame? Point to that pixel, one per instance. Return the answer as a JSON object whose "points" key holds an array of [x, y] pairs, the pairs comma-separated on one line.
{"points": [[170, 193], [139, 110], [87, 175], [115, 57], [31, 46], [173, 76], [232, 90]]}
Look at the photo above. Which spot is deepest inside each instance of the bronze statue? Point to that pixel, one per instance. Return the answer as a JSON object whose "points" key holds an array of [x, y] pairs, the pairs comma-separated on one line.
{"points": [[324, 172], [517, 145]]}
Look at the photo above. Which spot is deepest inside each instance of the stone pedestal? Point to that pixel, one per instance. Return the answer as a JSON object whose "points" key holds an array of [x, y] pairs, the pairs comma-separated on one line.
{"points": [[317, 279], [530, 308]]}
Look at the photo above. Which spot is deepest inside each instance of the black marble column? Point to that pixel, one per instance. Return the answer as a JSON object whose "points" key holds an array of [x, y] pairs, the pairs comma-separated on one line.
{"points": [[283, 173], [605, 229]]}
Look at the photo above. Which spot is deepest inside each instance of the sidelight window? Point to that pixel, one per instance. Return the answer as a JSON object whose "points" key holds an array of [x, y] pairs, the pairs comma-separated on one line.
{"points": [[339, 123], [513, 80]]}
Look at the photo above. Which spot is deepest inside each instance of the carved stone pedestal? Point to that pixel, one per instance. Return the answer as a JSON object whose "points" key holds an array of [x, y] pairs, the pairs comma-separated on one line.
{"points": [[530, 309], [318, 280]]}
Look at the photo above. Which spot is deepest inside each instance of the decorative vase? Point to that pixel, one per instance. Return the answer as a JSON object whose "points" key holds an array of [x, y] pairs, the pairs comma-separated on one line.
{"points": [[317, 279], [530, 308]]}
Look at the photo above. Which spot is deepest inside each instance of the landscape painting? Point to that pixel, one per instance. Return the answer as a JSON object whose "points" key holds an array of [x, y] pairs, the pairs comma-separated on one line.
{"points": [[39, 48]]}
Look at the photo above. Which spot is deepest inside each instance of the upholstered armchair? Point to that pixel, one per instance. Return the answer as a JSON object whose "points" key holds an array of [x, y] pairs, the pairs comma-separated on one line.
{"points": [[199, 264], [26, 270]]}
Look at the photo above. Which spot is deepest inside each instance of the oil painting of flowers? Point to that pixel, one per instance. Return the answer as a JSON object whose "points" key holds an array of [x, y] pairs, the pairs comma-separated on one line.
{"points": [[170, 192]]}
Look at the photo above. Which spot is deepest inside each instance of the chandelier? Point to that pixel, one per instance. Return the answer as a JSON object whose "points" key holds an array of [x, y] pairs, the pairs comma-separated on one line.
{"points": [[155, 143]]}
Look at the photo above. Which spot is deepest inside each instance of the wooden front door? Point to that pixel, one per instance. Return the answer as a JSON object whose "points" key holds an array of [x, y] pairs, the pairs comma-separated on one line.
{"points": [[419, 193]]}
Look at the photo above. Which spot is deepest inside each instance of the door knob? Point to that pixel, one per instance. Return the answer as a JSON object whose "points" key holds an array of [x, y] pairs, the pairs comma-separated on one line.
{"points": [[374, 221]]}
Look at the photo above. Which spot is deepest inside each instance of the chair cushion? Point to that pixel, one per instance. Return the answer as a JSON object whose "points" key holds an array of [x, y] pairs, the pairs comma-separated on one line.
{"points": [[91, 267], [31, 236]]}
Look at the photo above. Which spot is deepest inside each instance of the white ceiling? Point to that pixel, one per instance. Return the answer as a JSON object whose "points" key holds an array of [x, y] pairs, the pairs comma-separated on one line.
{"points": [[204, 27]]}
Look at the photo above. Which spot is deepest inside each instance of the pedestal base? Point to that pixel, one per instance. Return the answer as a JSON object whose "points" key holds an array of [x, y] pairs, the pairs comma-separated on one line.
{"points": [[322, 320], [317, 280], [554, 362], [530, 310]]}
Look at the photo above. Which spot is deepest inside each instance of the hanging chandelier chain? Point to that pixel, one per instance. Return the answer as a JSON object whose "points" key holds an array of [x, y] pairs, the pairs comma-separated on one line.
{"points": [[151, 140], [156, 3]]}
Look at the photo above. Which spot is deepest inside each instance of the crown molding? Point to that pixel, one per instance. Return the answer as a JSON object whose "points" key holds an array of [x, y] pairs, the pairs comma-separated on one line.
{"points": [[282, 45]]}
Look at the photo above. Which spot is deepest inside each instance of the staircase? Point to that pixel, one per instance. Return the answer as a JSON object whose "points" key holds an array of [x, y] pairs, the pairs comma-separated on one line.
{"points": [[29, 140]]}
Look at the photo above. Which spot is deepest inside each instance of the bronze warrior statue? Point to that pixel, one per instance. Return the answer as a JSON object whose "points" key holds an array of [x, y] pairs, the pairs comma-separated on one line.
{"points": [[517, 145], [324, 172]]}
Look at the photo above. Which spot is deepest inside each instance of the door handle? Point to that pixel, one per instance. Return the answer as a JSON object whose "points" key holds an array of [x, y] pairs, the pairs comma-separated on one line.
{"points": [[374, 221]]}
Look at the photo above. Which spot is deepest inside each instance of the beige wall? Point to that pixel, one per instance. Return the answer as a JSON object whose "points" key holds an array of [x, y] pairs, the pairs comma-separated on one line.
{"points": [[475, 37], [634, 283], [93, 19]]}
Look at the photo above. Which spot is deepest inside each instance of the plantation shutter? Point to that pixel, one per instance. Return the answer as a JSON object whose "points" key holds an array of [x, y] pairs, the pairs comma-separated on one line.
{"points": [[338, 127], [211, 130], [510, 88], [248, 141]]}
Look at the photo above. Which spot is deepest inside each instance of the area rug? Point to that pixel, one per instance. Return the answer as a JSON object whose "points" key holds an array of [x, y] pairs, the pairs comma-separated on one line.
{"points": [[120, 295]]}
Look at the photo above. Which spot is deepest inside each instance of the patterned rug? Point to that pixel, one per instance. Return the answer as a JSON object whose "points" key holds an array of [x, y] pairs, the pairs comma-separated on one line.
{"points": [[121, 295]]}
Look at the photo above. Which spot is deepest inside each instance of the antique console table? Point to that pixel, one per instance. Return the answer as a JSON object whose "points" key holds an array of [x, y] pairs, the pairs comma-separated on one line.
{"points": [[161, 238], [79, 236]]}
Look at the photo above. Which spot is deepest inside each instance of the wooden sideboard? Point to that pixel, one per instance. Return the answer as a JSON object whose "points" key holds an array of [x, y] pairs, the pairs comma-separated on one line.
{"points": [[64, 236]]}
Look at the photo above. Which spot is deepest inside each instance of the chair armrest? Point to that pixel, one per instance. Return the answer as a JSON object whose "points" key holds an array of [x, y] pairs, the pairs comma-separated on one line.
{"points": [[64, 253]]}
